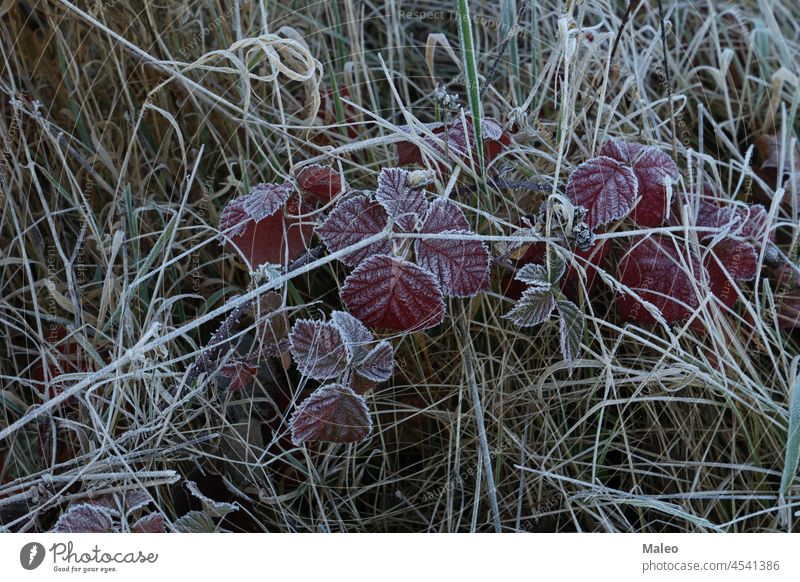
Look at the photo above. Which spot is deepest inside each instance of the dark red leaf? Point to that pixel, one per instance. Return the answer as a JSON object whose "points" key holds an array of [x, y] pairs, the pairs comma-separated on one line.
{"points": [[355, 334], [652, 168], [150, 523], [263, 201], [85, 518], [661, 273], [391, 293], [456, 141], [377, 364], [738, 258], [320, 182], [238, 372], [275, 239], [444, 214], [460, 266], [318, 349], [351, 222], [603, 186], [334, 413], [404, 204]]}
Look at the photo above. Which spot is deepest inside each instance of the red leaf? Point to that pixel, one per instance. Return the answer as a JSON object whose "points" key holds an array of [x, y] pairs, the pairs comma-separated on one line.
{"points": [[444, 214], [334, 413], [377, 364], [263, 201], [652, 167], [270, 239], [738, 258], [603, 186], [625, 152], [238, 372], [654, 268], [318, 349], [320, 182], [85, 518], [352, 221], [150, 523], [404, 204], [391, 293], [461, 266], [455, 141], [355, 334]]}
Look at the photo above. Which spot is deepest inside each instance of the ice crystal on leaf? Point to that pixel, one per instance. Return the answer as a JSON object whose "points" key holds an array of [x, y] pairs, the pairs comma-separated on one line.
{"points": [[150, 523], [264, 227], [318, 349], [320, 182], [405, 205], [605, 187], [392, 293], [542, 297], [653, 168], [352, 221], [662, 273], [85, 518], [333, 413]]}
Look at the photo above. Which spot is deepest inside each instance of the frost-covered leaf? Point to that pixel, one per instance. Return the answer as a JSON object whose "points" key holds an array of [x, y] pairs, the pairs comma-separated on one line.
{"points": [[355, 334], [664, 275], [572, 324], [333, 413], [533, 308], [150, 523], [195, 522], [85, 518], [276, 238], [263, 201], [534, 275], [404, 204], [652, 168], [377, 364], [556, 266], [318, 349], [320, 182], [603, 186], [625, 152], [238, 372], [461, 266], [457, 141], [444, 214], [736, 258], [351, 222], [391, 293], [211, 507], [769, 150]]}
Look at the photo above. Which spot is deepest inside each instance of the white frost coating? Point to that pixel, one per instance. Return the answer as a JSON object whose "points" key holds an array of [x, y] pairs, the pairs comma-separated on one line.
{"points": [[534, 275], [318, 349], [571, 326], [352, 221], [388, 292], [263, 201], [533, 308], [85, 518], [606, 188], [404, 204], [355, 334], [333, 413], [378, 364], [444, 214], [460, 266]]}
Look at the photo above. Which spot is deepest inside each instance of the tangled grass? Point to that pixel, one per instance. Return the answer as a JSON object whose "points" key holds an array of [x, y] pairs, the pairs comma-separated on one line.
{"points": [[126, 128]]}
